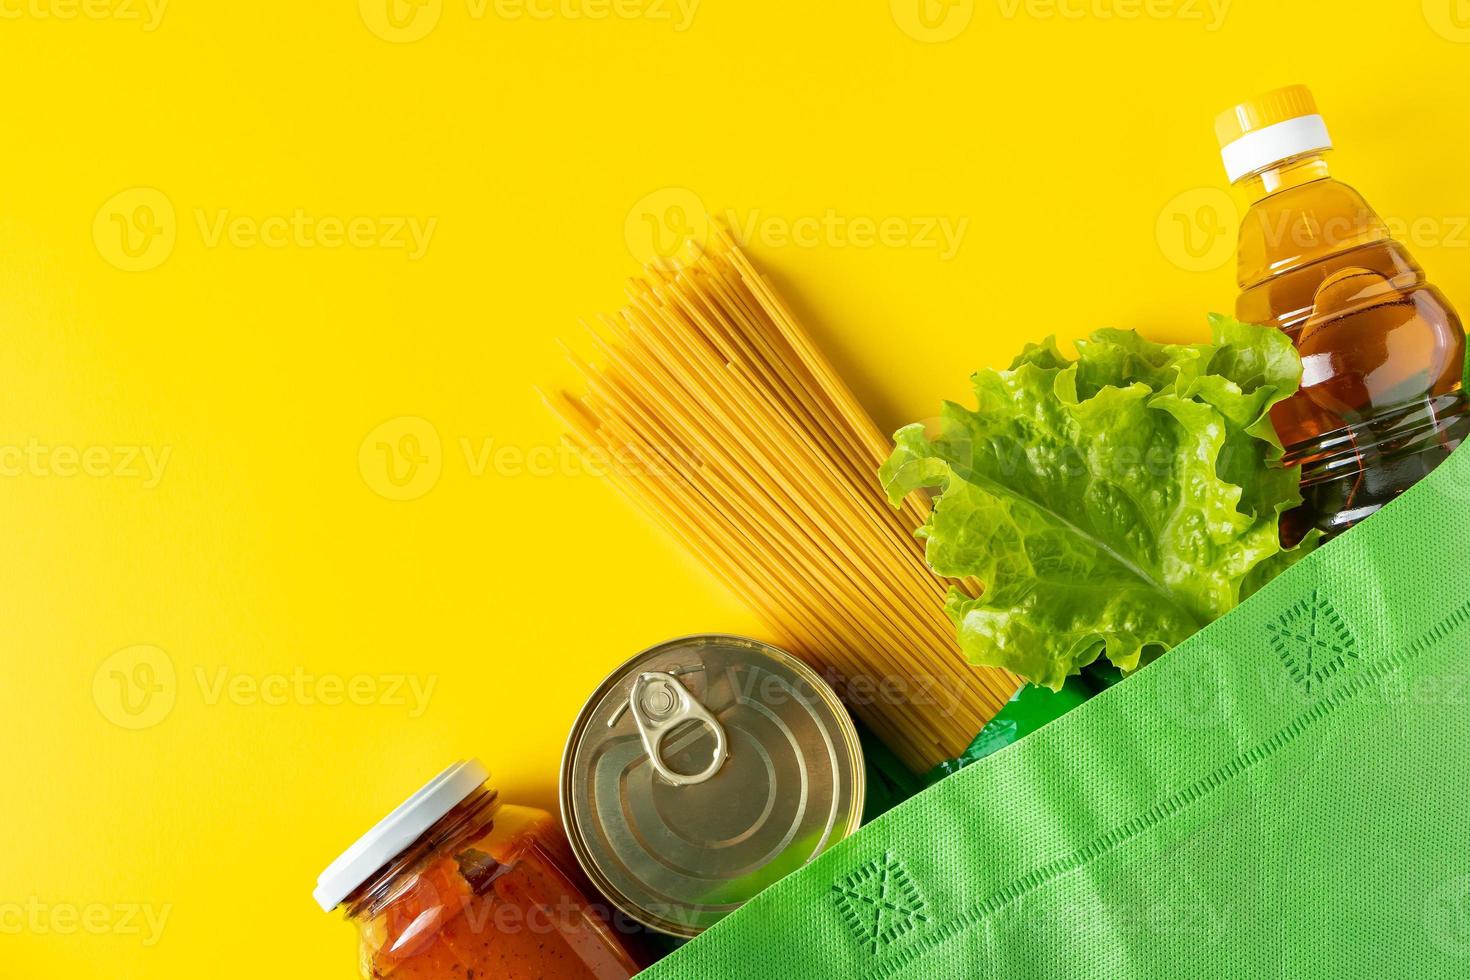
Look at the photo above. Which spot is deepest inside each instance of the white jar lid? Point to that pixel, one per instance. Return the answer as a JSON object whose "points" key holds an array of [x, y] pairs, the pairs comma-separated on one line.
{"points": [[395, 832]]}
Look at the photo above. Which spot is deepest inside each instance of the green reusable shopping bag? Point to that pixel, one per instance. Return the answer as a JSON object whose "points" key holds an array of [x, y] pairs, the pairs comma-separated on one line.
{"points": [[1285, 795]]}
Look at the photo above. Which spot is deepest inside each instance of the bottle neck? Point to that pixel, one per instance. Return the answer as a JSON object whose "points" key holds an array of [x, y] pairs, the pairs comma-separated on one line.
{"points": [[1284, 175], [468, 818]]}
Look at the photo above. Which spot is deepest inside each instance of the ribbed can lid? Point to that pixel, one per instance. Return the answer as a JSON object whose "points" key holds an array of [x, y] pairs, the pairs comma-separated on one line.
{"points": [[703, 770]]}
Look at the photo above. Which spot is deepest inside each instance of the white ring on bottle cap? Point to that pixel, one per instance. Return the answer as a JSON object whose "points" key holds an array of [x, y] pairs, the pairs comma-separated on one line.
{"points": [[397, 831], [1259, 149]]}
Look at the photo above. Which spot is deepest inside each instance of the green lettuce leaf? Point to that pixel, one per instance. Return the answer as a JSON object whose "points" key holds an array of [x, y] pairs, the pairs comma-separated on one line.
{"points": [[1112, 505]]}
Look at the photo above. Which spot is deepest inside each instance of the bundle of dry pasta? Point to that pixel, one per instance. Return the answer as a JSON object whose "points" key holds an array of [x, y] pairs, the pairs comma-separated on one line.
{"points": [[734, 433]]}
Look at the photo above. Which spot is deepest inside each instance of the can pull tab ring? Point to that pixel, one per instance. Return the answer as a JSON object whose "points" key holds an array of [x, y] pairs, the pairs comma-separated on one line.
{"points": [[660, 704]]}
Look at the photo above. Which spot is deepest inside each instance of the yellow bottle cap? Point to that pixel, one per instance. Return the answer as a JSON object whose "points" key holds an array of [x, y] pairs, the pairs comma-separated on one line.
{"points": [[1270, 128], [1274, 107]]}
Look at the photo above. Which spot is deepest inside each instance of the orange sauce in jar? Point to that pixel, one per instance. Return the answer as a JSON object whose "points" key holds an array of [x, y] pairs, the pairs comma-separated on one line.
{"points": [[489, 891]]}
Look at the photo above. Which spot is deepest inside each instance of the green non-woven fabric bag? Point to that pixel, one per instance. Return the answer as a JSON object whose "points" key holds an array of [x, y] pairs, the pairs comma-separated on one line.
{"points": [[1285, 795]]}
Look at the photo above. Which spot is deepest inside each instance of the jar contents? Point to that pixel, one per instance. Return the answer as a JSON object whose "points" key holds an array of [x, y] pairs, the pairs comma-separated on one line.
{"points": [[487, 890], [1383, 353]]}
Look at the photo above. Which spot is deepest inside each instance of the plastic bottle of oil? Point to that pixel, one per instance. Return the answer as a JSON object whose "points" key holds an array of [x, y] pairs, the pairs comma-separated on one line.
{"points": [[1382, 350]]}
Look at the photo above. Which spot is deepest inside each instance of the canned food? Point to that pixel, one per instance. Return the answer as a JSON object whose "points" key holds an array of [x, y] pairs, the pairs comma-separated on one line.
{"points": [[701, 771]]}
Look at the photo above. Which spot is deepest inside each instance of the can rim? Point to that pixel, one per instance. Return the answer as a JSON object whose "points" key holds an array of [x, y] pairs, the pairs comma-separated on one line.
{"points": [[626, 905]]}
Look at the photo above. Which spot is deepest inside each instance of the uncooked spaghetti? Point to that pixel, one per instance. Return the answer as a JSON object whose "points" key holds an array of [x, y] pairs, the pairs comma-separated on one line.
{"points": [[729, 427]]}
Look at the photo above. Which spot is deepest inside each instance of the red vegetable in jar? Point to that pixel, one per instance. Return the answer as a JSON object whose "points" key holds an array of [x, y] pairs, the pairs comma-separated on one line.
{"points": [[455, 884]]}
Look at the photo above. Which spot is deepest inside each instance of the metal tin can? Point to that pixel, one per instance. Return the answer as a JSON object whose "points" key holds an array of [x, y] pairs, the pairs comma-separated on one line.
{"points": [[703, 770]]}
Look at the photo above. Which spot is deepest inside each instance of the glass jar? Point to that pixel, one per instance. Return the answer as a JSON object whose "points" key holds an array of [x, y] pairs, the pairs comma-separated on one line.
{"points": [[456, 884]]}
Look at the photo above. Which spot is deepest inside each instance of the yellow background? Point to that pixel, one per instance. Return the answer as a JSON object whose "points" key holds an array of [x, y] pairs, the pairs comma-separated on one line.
{"points": [[1074, 141]]}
